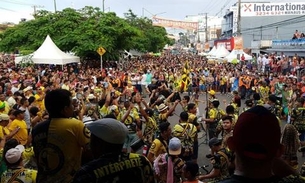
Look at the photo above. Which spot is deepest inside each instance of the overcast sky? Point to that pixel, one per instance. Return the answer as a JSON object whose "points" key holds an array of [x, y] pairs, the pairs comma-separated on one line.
{"points": [[14, 10]]}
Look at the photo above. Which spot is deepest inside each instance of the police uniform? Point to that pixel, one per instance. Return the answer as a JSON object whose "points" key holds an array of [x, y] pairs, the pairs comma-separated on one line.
{"points": [[125, 167], [221, 160]]}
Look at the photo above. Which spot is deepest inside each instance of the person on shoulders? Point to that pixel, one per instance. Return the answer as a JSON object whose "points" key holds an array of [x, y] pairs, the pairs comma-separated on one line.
{"points": [[110, 164], [257, 155]]}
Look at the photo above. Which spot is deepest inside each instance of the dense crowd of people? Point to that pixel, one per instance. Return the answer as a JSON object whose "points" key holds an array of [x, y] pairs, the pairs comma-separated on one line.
{"points": [[82, 124]]}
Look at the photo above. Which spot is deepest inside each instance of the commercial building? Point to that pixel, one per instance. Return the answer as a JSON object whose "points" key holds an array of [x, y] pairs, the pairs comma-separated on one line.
{"points": [[262, 23], [213, 26]]}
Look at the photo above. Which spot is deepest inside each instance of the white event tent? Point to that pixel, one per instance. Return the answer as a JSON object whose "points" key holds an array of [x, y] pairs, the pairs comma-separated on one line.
{"points": [[213, 51], [221, 52], [234, 53], [49, 53]]}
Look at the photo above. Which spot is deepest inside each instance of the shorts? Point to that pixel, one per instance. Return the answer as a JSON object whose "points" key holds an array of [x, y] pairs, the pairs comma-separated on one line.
{"points": [[202, 87]]}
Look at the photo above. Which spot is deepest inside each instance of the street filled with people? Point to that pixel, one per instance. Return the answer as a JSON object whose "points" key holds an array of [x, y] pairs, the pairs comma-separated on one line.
{"points": [[81, 123]]}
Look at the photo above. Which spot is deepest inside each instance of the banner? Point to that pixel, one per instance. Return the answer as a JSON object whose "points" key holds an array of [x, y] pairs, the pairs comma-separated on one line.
{"points": [[272, 9], [174, 23], [238, 43], [207, 46]]}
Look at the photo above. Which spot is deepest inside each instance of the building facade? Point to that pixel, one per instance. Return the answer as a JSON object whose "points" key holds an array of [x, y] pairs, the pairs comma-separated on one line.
{"points": [[262, 22], [213, 27]]}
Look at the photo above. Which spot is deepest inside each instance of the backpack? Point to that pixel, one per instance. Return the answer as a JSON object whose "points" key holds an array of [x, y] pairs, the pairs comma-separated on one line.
{"points": [[186, 136]]}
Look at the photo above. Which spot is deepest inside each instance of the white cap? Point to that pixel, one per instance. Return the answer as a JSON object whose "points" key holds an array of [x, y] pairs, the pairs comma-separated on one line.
{"points": [[13, 155]]}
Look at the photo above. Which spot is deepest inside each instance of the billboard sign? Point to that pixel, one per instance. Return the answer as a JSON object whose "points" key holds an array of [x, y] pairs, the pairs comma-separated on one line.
{"points": [[272, 9], [174, 23]]}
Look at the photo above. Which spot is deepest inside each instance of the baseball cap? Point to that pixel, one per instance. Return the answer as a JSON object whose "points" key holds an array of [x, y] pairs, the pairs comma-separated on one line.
{"points": [[174, 146], [4, 117], [257, 134], [212, 92], [13, 155], [17, 112], [109, 130]]}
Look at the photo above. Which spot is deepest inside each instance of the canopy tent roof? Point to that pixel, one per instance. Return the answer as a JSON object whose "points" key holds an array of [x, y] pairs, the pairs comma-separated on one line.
{"points": [[234, 53], [49, 53], [212, 52], [221, 52]]}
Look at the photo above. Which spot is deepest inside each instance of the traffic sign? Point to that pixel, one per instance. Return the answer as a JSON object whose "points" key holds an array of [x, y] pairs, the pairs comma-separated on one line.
{"points": [[101, 51]]}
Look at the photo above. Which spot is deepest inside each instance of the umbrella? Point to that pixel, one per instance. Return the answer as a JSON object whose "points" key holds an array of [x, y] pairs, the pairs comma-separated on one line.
{"points": [[235, 61]]}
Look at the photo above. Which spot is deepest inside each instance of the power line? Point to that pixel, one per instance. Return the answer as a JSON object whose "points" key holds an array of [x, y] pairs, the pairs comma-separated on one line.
{"points": [[7, 9], [277, 24], [16, 2]]}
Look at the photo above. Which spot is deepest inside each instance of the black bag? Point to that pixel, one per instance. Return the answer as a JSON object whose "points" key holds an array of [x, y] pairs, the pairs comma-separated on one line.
{"points": [[135, 146]]}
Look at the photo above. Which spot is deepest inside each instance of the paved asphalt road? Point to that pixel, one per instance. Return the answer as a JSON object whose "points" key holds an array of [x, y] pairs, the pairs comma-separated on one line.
{"points": [[203, 148]]}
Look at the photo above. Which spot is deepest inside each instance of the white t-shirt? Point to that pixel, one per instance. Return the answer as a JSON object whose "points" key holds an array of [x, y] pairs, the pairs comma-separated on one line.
{"points": [[143, 80]]}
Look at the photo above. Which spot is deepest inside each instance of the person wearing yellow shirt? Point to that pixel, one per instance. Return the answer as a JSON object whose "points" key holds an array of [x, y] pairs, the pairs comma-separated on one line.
{"points": [[5, 134], [160, 144], [223, 85], [60, 141], [19, 123], [15, 168], [214, 117], [39, 98]]}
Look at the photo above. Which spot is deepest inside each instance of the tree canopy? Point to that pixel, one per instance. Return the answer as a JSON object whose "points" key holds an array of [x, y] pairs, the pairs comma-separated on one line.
{"points": [[83, 31]]}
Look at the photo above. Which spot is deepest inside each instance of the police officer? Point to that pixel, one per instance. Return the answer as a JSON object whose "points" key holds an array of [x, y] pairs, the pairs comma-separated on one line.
{"points": [[220, 160]]}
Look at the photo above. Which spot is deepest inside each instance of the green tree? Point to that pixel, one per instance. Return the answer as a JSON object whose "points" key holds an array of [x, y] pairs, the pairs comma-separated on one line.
{"points": [[83, 31]]}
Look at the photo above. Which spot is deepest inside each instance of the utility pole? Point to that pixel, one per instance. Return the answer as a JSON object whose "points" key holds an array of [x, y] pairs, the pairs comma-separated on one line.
{"points": [[239, 19], [103, 5], [35, 8], [206, 27], [55, 6]]}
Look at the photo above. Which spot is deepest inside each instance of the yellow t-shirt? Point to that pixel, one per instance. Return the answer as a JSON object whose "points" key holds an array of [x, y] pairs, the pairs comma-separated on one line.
{"points": [[104, 111], [157, 148], [185, 128], [213, 113], [26, 176], [40, 104], [150, 129], [58, 148], [22, 134], [3, 131], [191, 118]]}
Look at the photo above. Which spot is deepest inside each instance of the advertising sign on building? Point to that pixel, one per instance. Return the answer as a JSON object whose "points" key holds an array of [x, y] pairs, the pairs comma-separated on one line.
{"points": [[238, 43], [272, 9], [228, 43], [234, 9]]}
